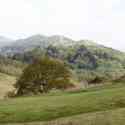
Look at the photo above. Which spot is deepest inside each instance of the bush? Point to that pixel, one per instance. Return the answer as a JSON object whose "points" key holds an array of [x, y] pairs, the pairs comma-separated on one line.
{"points": [[42, 75]]}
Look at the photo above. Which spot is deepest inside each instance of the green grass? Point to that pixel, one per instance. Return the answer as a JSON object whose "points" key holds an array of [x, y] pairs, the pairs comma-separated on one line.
{"points": [[110, 117], [52, 106]]}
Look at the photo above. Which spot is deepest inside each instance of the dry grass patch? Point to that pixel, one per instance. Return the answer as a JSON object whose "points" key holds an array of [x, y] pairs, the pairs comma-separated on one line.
{"points": [[6, 84]]}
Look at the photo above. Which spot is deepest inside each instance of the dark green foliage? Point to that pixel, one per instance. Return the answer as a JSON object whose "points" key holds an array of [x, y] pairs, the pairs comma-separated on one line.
{"points": [[82, 58], [42, 75]]}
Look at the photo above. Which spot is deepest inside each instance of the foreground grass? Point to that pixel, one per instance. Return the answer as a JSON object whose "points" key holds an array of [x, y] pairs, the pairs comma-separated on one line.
{"points": [[110, 117], [48, 107]]}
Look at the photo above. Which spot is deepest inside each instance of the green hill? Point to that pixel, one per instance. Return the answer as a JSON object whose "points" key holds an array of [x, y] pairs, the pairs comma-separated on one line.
{"points": [[83, 58], [89, 61]]}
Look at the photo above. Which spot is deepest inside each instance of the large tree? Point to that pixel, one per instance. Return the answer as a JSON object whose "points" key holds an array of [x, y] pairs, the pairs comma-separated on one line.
{"points": [[42, 75]]}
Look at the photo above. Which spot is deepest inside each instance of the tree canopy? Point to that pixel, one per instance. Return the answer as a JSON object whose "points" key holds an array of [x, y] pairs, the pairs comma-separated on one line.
{"points": [[42, 75]]}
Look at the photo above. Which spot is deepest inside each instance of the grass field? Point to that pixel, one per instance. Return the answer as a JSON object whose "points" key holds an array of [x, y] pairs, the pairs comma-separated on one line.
{"points": [[56, 105], [110, 117], [6, 84]]}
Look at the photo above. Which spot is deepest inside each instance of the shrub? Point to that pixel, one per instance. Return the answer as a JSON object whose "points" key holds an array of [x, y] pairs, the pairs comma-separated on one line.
{"points": [[42, 75]]}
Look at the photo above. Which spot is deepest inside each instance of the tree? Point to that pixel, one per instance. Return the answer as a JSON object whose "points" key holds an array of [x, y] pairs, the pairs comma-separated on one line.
{"points": [[42, 75]]}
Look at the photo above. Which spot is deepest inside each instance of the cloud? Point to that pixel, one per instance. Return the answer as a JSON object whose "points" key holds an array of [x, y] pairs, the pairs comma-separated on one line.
{"points": [[99, 20]]}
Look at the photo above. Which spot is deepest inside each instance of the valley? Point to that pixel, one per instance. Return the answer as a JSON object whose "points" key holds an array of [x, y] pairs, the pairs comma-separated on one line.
{"points": [[97, 74]]}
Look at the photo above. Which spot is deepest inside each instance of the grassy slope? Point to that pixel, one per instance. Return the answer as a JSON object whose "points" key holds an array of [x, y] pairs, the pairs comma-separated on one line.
{"points": [[6, 83], [51, 106], [110, 117]]}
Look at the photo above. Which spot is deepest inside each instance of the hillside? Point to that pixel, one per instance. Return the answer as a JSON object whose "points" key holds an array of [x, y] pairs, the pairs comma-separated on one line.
{"points": [[6, 84], [84, 57], [10, 70], [11, 67]]}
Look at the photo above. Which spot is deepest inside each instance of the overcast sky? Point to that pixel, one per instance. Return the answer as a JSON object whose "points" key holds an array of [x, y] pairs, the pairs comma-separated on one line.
{"points": [[99, 20]]}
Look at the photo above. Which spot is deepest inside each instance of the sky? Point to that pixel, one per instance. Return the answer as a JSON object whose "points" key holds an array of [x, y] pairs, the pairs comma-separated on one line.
{"points": [[100, 20]]}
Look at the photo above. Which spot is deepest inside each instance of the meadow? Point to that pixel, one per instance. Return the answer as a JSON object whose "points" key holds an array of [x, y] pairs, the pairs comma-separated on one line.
{"points": [[110, 117], [105, 99]]}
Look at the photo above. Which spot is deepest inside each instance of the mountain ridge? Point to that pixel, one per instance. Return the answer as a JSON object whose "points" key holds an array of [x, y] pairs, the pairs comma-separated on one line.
{"points": [[29, 43]]}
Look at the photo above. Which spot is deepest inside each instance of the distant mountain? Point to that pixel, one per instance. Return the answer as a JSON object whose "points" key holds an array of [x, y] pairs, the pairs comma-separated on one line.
{"points": [[4, 41], [23, 45], [63, 46]]}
